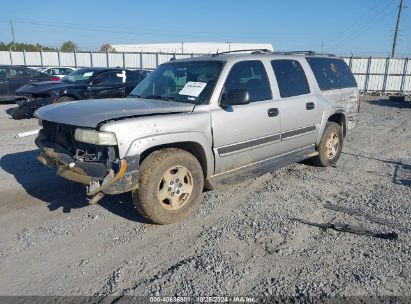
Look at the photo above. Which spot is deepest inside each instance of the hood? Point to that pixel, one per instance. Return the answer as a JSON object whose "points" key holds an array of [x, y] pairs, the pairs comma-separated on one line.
{"points": [[44, 86], [89, 113]]}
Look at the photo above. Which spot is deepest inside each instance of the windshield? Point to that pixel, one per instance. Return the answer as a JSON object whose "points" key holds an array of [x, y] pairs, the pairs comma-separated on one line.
{"points": [[79, 76], [187, 81]]}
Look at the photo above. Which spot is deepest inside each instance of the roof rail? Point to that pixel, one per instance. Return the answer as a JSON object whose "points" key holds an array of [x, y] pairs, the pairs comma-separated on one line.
{"points": [[266, 51], [295, 52], [302, 52], [237, 51]]}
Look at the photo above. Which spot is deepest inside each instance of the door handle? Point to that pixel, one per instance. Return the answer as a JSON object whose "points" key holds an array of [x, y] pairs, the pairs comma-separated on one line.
{"points": [[272, 112], [309, 105]]}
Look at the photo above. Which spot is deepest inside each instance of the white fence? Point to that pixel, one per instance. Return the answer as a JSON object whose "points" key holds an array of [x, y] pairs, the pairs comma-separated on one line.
{"points": [[373, 74]]}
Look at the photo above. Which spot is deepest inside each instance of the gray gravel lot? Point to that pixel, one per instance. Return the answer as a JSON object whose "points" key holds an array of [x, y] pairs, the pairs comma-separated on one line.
{"points": [[240, 241]]}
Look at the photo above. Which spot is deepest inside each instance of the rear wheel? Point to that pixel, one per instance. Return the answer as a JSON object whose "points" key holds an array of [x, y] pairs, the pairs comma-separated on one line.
{"points": [[22, 112], [330, 147], [64, 99], [171, 183]]}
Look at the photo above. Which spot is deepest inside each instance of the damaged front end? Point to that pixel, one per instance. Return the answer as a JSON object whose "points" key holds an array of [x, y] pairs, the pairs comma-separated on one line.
{"points": [[96, 165], [34, 101]]}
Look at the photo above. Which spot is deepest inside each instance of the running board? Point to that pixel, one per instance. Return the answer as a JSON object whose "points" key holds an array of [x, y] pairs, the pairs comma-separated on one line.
{"points": [[256, 169]]}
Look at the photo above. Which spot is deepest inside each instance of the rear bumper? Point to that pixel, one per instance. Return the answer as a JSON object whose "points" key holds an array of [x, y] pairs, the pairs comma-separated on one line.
{"points": [[94, 175]]}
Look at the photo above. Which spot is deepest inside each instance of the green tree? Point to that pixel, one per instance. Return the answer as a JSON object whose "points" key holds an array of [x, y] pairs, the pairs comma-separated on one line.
{"points": [[18, 47], [68, 46]]}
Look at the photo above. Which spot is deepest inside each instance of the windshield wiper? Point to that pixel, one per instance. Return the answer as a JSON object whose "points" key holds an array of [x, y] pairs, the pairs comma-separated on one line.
{"points": [[134, 95], [159, 97]]}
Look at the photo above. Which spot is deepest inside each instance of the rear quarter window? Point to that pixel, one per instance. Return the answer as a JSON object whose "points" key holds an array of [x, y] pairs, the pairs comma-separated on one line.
{"points": [[331, 73]]}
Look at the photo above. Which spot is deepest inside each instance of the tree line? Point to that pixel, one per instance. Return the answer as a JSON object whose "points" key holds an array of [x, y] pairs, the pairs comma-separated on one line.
{"points": [[68, 46]]}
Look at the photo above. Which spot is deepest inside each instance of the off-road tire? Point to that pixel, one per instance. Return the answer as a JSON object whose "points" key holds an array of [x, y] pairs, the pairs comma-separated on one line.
{"points": [[324, 159], [22, 112], [153, 170], [64, 99]]}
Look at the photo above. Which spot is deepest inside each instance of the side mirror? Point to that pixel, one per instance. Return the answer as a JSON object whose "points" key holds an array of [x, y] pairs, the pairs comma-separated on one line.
{"points": [[236, 97]]}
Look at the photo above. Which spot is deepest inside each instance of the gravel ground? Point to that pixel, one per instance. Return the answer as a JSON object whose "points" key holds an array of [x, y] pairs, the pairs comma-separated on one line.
{"points": [[241, 240]]}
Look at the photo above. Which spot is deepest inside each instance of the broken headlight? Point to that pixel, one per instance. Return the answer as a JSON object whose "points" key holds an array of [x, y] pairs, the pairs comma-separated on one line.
{"points": [[95, 137]]}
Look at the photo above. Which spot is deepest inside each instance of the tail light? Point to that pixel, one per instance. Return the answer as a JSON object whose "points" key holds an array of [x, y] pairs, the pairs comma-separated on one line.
{"points": [[55, 79]]}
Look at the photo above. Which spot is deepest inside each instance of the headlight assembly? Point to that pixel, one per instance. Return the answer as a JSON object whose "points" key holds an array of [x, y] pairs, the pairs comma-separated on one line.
{"points": [[95, 137]]}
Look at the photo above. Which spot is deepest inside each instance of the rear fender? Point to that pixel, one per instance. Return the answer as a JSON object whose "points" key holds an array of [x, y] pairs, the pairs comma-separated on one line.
{"points": [[324, 119]]}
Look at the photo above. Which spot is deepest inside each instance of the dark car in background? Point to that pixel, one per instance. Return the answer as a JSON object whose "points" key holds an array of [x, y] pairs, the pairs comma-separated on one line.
{"points": [[56, 72], [85, 83], [13, 77]]}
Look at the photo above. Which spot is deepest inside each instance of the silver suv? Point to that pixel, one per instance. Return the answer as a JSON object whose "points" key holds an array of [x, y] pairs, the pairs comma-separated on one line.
{"points": [[201, 122]]}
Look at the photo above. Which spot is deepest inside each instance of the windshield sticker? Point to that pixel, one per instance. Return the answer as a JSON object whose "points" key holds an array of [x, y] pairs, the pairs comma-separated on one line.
{"points": [[88, 74], [193, 88], [122, 75]]}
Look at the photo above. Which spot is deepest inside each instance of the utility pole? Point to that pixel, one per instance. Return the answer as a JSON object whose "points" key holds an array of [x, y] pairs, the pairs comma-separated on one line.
{"points": [[396, 30], [12, 34]]}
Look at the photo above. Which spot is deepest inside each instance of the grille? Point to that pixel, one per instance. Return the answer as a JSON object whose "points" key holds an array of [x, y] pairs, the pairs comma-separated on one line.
{"points": [[60, 134]]}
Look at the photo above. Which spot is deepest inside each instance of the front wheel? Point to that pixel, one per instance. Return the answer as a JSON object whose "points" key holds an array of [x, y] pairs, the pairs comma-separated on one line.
{"points": [[330, 147], [171, 183], [64, 99]]}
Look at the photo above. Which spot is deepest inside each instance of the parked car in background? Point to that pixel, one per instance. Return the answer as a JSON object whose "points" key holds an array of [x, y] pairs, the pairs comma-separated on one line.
{"points": [[203, 122], [86, 83], [13, 77], [57, 72]]}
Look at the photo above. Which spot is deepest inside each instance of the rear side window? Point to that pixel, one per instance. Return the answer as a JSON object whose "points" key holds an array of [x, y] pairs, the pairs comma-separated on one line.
{"points": [[331, 73], [250, 76], [291, 78], [133, 76], [108, 78]]}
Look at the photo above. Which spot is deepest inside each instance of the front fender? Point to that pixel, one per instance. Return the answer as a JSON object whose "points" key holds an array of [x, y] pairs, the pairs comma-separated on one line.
{"points": [[140, 145]]}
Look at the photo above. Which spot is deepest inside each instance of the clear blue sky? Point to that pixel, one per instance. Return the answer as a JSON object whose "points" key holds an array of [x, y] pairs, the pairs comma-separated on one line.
{"points": [[363, 27]]}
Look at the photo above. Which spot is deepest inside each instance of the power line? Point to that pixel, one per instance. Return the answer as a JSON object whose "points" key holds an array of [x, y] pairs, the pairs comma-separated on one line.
{"points": [[377, 18], [154, 32], [361, 18]]}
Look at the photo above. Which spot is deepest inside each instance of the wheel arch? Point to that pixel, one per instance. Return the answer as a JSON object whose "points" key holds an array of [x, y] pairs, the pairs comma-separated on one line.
{"points": [[200, 148], [71, 95], [192, 147], [340, 119], [332, 115]]}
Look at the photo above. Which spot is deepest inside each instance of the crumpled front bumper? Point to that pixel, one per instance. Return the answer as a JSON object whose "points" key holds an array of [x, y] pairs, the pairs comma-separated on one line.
{"points": [[34, 103], [93, 174]]}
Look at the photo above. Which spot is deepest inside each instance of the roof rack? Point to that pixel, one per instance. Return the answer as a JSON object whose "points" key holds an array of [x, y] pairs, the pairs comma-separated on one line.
{"points": [[266, 51], [237, 51], [302, 53]]}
